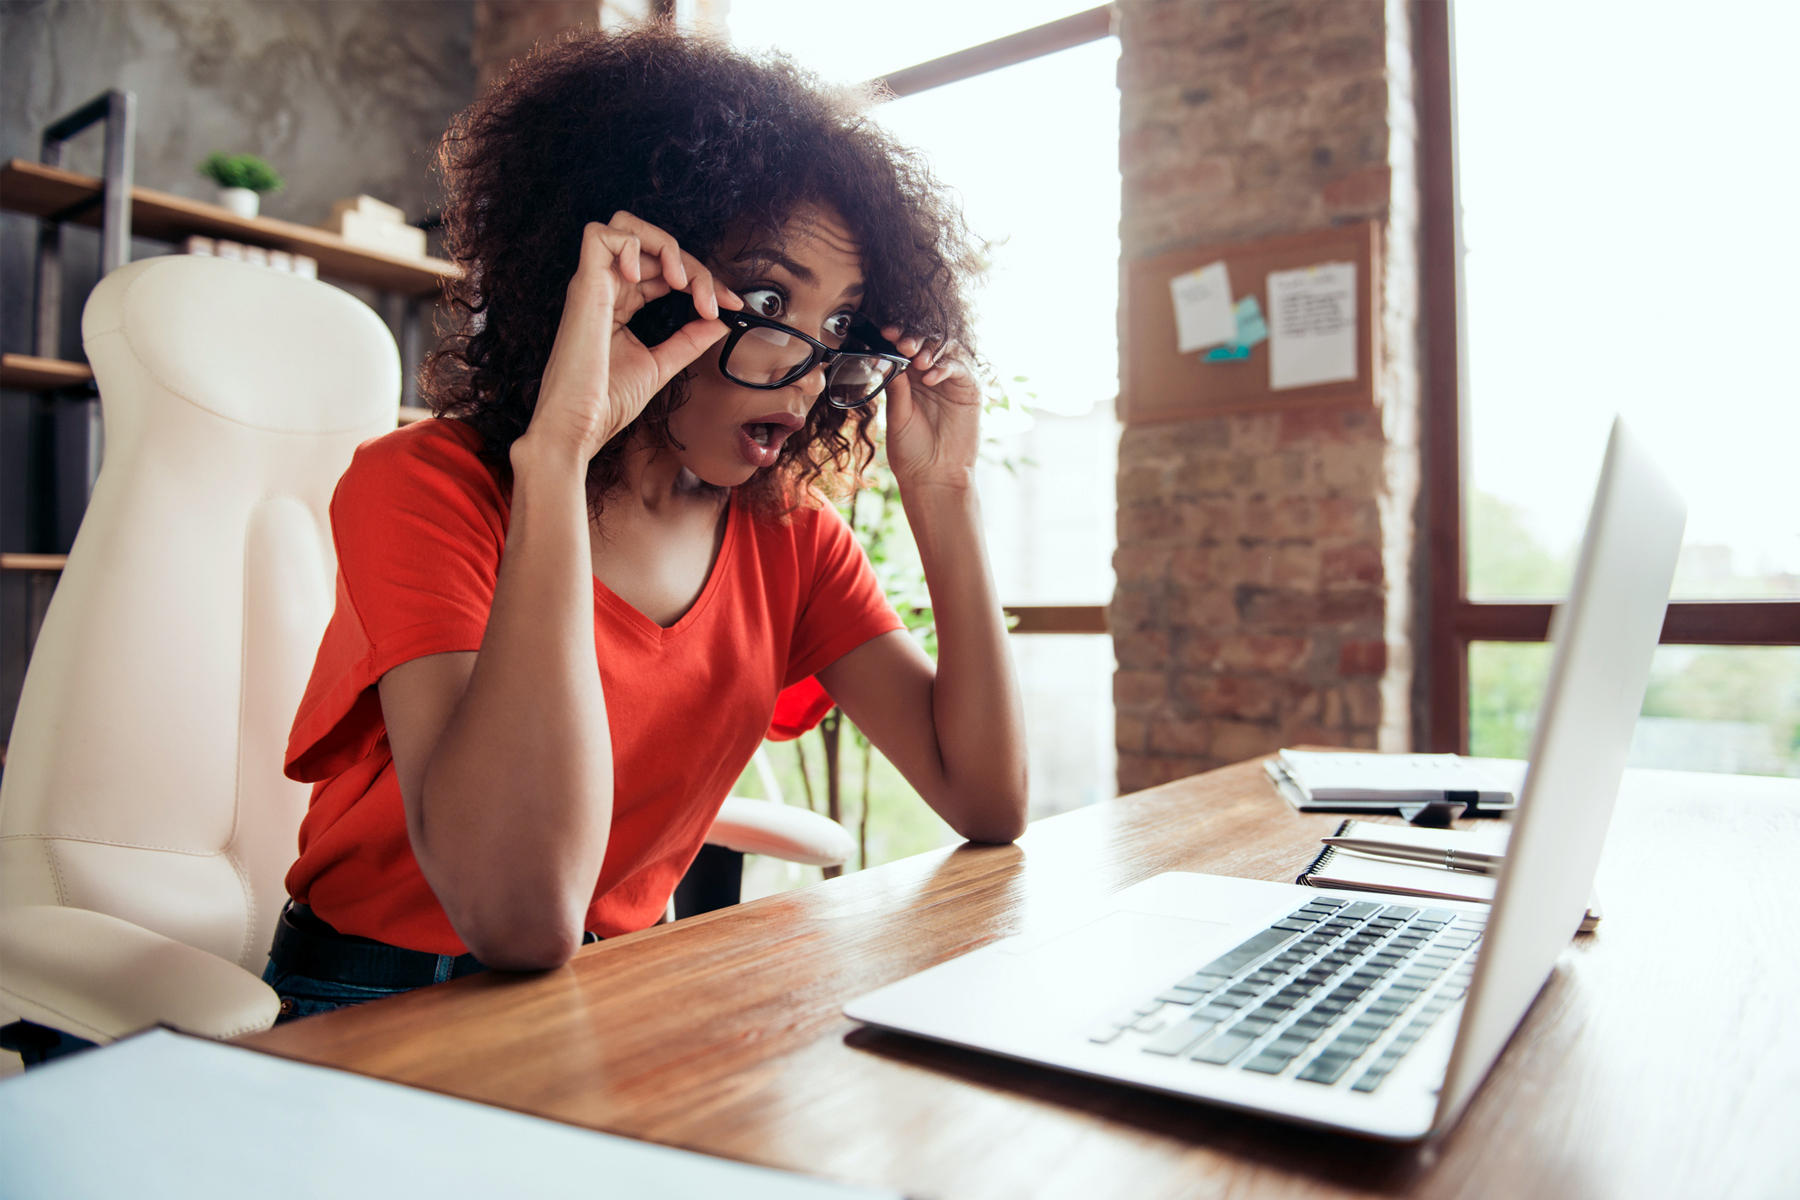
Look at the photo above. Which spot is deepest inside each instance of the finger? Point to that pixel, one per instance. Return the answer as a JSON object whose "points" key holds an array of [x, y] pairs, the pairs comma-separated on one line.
{"points": [[660, 243], [684, 346], [683, 271], [612, 248]]}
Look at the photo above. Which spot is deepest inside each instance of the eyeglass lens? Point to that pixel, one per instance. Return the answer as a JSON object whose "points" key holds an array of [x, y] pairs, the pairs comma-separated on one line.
{"points": [[768, 357], [854, 378]]}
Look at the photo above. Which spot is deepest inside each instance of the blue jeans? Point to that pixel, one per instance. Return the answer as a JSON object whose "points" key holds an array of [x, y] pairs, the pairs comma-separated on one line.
{"points": [[304, 996], [315, 969]]}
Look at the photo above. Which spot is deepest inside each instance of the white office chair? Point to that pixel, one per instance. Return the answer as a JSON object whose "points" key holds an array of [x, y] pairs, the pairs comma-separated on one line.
{"points": [[145, 823]]}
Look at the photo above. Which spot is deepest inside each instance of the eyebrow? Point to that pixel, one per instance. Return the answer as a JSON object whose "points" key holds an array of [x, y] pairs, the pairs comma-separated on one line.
{"points": [[758, 259]]}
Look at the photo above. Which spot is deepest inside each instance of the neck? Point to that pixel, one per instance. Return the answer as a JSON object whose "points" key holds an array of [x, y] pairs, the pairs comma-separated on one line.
{"points": [[655, 481]]}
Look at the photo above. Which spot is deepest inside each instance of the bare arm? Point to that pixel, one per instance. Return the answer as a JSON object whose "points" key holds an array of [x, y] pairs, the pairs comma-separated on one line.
{"points": [[956, 730], [503, 756]]}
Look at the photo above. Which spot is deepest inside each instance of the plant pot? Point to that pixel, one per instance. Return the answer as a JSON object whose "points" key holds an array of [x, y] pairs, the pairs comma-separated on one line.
{"points": [[240, 201]]}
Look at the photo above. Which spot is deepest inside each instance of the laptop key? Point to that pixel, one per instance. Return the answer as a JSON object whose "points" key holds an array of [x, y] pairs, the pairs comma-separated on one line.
{"points": [[1327, 1068], [1222, 1049], [1178, 996], [1246, 952], [1268, 1063], [1179, 1036]]}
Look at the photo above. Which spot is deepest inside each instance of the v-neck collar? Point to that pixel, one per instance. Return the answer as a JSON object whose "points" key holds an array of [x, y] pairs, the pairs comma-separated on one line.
{"points": [[650, 630]]}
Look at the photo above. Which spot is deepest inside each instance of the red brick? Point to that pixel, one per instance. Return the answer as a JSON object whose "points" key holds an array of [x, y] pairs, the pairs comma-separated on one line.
{"points": [[1278, 610], [1138, 690], [1362, 658], [1142, 564], [1141, 648], [1208, 177], [1312, 425], [1203, 608], [1141, 483], [1147, 523], [1351, 607], [1344, 516], [1232, 696], [1357, 563], [1198, 652], [1235, 741], [1296, 566], [1130, 733], [1362, 700], [1180, 737], [1272, 655], [1132, 609], [1191, 566]]}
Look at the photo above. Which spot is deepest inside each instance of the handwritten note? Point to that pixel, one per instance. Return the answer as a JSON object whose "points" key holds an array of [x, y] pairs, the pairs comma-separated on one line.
{"points": [[1203, 315], [1312, 335]]}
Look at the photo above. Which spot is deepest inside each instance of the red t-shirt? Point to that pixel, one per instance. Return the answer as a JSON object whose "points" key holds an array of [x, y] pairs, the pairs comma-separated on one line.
{"points": [[420, 523]]}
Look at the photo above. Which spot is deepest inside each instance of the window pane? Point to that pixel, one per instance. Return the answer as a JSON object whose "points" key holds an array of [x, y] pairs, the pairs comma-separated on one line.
{"points": [[1629, 250], [1732, 709]]}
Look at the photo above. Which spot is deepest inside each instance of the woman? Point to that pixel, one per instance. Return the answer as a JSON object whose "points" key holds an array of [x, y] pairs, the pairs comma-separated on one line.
{"points": [[594, 494]]}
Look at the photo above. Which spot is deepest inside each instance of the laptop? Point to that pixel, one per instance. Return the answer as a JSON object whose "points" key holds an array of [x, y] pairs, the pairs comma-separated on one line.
{"points": [[1339, 1009]]}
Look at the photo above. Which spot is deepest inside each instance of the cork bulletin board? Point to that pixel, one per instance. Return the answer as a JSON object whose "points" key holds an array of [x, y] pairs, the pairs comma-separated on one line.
{"points": [[1159, 383]]}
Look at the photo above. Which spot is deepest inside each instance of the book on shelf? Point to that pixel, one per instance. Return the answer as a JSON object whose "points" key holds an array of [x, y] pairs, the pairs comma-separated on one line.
{"points": [[1348, 781], [1386, 858]]}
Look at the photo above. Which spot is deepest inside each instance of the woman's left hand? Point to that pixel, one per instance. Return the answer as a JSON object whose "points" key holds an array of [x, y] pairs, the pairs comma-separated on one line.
{"points": [[934, 415]]}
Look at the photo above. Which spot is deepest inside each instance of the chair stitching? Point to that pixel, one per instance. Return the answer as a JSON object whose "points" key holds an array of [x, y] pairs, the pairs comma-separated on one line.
{"points": [[62, 896], [100, 841]]}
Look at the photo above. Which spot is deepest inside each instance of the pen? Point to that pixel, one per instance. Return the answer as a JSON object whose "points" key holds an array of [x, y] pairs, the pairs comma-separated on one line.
{"points": [[1473, 861]]}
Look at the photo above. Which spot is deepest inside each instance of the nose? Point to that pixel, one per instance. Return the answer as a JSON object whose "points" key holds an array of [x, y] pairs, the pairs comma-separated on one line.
{"points": [[812, 384]]}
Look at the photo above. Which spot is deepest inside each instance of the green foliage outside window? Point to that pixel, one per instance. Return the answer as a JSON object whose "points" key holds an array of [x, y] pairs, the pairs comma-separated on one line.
{"points": [[1741, 689]]}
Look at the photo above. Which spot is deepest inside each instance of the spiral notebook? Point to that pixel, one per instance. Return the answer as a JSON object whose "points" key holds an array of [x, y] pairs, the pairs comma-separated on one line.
{"points": [[1348, 870]]}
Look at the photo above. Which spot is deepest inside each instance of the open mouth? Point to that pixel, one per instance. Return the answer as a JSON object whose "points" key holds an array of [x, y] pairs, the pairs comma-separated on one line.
{"points": [[760, 440]]}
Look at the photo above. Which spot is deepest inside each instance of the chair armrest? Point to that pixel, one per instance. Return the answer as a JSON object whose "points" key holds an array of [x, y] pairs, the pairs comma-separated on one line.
{"points": [[781, 831], [100, 978]]}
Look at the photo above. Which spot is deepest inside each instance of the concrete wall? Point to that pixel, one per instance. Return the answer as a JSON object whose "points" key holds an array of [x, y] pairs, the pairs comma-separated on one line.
{"points": [[1266, 562], [341, 97]]}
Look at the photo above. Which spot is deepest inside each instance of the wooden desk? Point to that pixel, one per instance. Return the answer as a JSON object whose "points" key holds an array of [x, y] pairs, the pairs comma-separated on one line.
{"points": [[1661, 1059]]}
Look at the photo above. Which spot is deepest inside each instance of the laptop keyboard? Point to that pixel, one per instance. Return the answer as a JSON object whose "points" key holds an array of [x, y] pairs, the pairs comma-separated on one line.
{"points": [[1313, 993]]}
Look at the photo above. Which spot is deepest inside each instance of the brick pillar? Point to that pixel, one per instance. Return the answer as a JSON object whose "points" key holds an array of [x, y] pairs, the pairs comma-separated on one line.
{"points": [[1266, 561]]}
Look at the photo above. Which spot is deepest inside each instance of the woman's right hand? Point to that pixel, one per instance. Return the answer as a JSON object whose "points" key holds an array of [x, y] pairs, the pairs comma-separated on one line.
{"points": [[600, 376]]}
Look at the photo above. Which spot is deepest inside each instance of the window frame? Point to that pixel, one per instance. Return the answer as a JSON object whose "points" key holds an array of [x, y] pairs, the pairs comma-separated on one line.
{"points": [[1454, 620]]}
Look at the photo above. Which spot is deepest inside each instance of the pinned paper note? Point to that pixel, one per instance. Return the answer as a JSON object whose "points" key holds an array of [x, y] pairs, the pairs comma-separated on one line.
{"points": [[1203, 315], [1312, 338], [1252, 330]]}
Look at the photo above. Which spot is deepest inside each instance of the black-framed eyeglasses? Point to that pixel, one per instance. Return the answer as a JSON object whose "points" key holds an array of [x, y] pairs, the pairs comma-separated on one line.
{"points": [[765, 354]]}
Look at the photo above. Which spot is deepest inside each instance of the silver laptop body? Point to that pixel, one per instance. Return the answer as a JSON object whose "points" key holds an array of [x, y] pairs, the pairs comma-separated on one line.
{"points": [[1142, 990]]}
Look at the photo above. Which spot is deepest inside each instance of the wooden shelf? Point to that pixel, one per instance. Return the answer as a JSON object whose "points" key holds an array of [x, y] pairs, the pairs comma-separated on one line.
{"points": [[33, 562], [40, 191], [28, 373]]}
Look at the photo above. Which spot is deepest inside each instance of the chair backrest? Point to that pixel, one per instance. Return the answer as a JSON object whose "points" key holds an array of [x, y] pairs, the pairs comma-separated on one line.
{"points": [[143, 776]]}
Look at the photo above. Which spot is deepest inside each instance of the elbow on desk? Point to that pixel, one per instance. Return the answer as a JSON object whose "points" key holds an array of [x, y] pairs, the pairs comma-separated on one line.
{"points": [[522, 941]]}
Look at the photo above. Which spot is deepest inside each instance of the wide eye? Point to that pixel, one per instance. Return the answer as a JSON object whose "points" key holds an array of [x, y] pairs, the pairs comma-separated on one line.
{"points": [[764, 302], [839, 326]]}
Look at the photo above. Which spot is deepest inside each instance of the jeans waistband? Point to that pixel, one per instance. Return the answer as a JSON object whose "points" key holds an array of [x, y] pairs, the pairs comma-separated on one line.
{"points": [[306, 945]]}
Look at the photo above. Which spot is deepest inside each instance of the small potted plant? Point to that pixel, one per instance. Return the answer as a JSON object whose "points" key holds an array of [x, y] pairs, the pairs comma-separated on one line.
{"points": [[242, 178]]}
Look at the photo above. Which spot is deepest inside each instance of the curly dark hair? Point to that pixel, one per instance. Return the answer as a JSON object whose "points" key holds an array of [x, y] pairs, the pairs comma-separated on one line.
{"points": [[706, 142]]}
